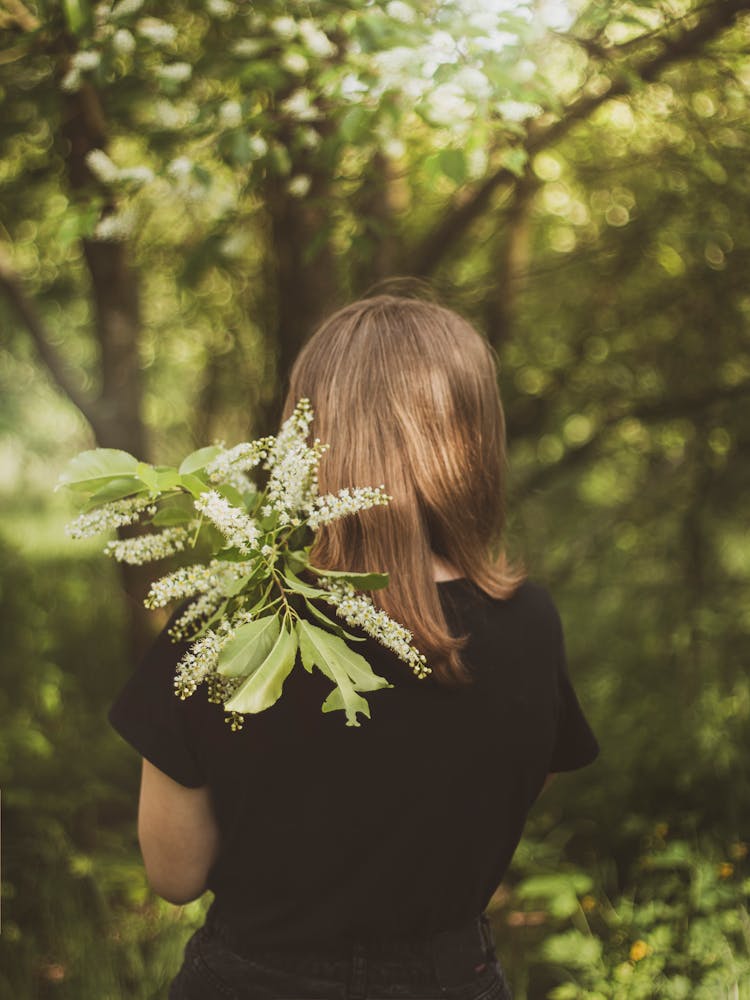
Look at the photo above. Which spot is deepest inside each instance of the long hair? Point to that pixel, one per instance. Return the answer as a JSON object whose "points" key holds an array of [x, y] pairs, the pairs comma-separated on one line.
{"points": [[405, 393]]}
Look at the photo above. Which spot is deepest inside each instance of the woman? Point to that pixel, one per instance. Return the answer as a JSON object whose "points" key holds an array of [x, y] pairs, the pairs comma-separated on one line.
{"points": [[357, 862]]}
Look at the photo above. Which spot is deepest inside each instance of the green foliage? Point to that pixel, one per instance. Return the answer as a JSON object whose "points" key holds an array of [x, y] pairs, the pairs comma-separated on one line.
{"points": [[608, 270], [251, 602], [78, 917], [681, 929]]}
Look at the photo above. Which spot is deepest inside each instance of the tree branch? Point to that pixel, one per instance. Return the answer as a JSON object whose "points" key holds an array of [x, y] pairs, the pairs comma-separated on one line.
{"points": [[11, 284], [662, 409], [433, 247], [20, 15]]}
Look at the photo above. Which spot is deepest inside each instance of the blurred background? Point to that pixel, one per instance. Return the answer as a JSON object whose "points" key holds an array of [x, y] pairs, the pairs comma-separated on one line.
{"points": [[185, 189]]}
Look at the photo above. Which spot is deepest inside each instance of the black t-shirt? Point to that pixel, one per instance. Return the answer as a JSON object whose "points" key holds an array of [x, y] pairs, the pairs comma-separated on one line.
{"points": [[404, 826]]}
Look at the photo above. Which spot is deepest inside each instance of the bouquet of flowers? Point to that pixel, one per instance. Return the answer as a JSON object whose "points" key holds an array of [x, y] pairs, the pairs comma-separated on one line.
{"points": [[255, 596]]}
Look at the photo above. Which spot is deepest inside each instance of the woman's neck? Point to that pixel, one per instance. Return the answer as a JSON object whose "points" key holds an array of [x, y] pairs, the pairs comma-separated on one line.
{"points": [[442, 570]]}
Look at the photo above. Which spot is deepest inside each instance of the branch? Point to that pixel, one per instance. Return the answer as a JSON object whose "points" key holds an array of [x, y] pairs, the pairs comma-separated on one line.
{"points": [[20, 15], [663, 409], [10, 283], [439, 241]]}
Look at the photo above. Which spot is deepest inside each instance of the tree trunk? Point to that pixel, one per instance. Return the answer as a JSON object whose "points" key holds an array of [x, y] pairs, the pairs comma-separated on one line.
{"points": [[117, 417], [307, 283]]}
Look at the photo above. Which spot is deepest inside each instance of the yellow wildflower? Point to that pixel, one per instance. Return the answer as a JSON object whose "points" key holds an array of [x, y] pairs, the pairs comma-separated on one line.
{"points": [[638, 950]]}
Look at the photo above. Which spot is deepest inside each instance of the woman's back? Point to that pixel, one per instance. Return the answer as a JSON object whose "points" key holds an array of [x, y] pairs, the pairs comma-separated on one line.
{"points": [[401, 827], [320, 836]]}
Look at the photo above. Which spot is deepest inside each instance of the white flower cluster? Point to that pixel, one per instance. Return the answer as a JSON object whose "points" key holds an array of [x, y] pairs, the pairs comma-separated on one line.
{"points": [[195, 616], [316, 41], [229, 466], [347, 501], [111, 515], [156, 31], [125, 8], [200, 661], [237, 527], [220, 8], [86, 60], [246, 48], [176, 72], [359, 611], [123, 42], [299, 185], [101, 166], [147, 548], [207, 582], [293, 482], [193, 579], [299, 105], [114, 227]]}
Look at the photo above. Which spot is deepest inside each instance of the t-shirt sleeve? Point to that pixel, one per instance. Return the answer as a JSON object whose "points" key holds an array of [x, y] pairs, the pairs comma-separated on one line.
{"points": [[575, 743], [153, 719]]}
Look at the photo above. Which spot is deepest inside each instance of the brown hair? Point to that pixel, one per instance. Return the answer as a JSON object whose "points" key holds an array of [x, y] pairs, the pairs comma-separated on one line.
{"points": [[405, 392]]}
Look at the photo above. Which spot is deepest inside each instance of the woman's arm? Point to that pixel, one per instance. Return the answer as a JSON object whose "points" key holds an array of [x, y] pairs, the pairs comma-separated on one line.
{"points": [[178, 835]]}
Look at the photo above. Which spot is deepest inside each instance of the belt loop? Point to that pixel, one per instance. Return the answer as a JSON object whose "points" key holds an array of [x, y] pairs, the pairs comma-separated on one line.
{"points": [[357, 987], [487, 937]]}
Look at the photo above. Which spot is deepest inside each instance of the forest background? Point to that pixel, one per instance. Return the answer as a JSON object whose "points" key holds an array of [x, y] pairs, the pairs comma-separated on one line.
{"points": [[185, 189]]}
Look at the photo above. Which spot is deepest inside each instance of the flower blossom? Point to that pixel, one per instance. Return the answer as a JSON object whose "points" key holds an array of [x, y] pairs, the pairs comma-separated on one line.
{"points": [[332, 506], [231, 463], [176, 72], [111, 515], [199, 661], [359, 611], [147, 548], [156, 31], [316, 41], [123, 42], [114, 227], [86, 59], [125, 8], [184, 582], [101, 166], [238, 528], [293, 482], [220, 8]]}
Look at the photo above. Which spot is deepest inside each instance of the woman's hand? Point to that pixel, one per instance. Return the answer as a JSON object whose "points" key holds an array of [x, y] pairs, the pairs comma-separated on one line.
{"points": [[178, 835]]}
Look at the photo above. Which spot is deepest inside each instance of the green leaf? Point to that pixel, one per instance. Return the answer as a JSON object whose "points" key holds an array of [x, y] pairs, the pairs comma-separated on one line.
{"points": [[249, 647], [572, 948], [560, 891], [261, 602], [515, 160], [347, 669], [100, 463], [148, 474], [353, 122], [297, 560], [453, 164], [332, 625], [78, 16], [167, 478], [177, 510], [231, 555], [199, 459], [194, 484], [299, 587], [263, 687], [362, 581], [230, 493], [115, 489], [237, 586]]}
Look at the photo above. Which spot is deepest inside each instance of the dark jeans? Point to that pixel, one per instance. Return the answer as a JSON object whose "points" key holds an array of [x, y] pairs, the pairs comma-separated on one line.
{"points": [[458, 965]]}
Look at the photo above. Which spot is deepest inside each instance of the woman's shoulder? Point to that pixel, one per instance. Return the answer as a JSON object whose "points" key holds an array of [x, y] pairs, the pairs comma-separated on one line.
{"points": [[530, 602], [529, 595]]}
